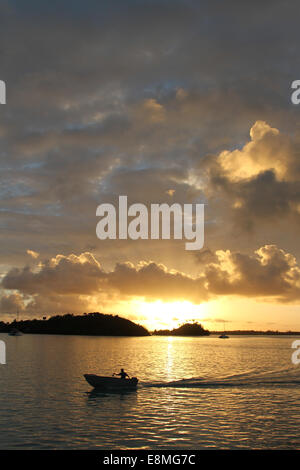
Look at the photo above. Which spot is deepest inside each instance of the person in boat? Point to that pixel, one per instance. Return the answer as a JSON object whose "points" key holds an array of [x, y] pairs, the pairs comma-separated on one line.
{"points": [[122, 374]]}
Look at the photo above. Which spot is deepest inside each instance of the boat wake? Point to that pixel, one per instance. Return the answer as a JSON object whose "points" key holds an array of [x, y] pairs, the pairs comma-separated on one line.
{"points": [[282, 377]]}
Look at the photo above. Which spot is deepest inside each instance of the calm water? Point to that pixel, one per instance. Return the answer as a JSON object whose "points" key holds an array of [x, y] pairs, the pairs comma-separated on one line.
{"points": [[243, 392]]}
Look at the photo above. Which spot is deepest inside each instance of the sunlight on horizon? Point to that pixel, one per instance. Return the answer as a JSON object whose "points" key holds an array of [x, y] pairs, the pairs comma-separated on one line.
{"points": [[229, 313], [168, 315]]}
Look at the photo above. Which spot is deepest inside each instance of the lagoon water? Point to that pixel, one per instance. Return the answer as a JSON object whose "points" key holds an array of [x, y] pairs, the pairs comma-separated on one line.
{"points": [[194, 393]]}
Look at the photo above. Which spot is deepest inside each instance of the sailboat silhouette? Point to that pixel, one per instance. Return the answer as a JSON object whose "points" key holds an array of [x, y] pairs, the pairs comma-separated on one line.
{"points": [[15, 331], [223, 335]]}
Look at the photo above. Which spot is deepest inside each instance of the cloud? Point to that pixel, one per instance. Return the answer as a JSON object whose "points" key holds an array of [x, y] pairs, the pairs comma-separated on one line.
{"points": [[267, 150], [82, 275], [62, 275], [75, 282], [11, 304], [152, 110], [269, 272], [155, 281], [33, 254], [260, 183]]}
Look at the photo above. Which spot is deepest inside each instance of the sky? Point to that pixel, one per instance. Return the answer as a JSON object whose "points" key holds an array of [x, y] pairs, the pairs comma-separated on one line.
{"points": [[166, 102]]}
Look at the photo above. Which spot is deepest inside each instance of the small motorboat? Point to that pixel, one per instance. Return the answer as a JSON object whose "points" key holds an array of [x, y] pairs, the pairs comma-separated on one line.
{"points": [[114, 383]]}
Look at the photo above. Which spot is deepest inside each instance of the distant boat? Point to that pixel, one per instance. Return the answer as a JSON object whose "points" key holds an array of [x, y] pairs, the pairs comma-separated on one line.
{"points": [[223, 335], [15, 332], [114, 383]]}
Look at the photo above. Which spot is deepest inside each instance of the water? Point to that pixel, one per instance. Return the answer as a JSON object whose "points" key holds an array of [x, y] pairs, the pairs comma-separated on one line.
{"points": [[194, 393]]}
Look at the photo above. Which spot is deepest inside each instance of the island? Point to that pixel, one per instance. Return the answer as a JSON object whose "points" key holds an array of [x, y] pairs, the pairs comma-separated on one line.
{"points": [[188, 329], [92, 324]]}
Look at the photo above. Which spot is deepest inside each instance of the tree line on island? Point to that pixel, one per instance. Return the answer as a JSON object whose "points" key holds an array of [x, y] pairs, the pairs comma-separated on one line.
{"points": [[188, 329], [95, 324]]}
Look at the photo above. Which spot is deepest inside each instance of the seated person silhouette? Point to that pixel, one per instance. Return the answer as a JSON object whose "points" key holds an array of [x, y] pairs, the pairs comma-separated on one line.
{"points": [[122, 374]]}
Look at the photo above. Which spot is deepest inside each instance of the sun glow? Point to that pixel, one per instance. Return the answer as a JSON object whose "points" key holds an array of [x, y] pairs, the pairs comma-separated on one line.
{"points": [[168, 315]]}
